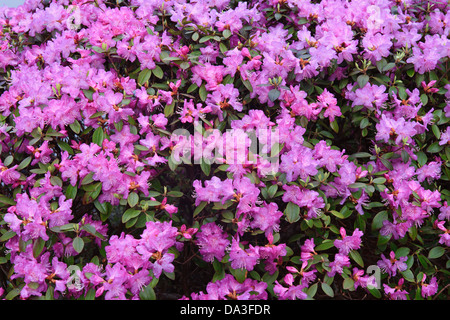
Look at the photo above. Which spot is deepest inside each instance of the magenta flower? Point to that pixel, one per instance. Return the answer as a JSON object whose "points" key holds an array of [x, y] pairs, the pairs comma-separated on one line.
{"points": [[391, 265], [307, 250], [243, 258], [398, 130], [396, 293], [212, 241], [163, 263], [348, 243], [298, 162], [230, 288], [337, 266], [266, 218], [370, 96], [430, 289]]}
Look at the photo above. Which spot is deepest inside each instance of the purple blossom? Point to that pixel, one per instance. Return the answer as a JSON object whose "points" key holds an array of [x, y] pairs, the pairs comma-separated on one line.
{"points": [[429, 289], [243, 258], [212, 242], [392, 265], [396, 293], [348, 243], [230, 288], [266, 218], [337, 266]]}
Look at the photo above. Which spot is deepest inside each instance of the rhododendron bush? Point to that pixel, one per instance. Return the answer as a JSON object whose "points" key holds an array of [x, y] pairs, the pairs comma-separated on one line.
{"points": [[225, 149]]}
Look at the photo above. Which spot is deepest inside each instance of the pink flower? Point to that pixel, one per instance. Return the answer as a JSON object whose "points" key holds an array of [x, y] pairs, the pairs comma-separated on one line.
{"points": [[307, 250], [391, 265], [243, 258], [348, 243], [337, 266], [396, 293], [212, 241], [429, 289]]}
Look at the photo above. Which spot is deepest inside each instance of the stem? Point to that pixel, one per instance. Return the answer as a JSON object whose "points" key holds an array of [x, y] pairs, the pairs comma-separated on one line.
{"points": [[434, 298]]}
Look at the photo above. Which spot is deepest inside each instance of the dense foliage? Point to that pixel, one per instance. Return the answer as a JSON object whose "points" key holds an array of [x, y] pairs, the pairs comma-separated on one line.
{"points": [[128, 160]]}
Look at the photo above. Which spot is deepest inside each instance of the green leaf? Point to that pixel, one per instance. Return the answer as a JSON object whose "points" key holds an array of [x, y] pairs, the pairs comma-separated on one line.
{"points": [[335, 126], [408, 275], [38, 246], [436, 131], [292, 212], [98, 136], [192, 88], [327, 289], [375, 292], [387, 164], [133, 199], [388, 67], [311, 291], [357, 185], [206, 167], [223, 48], [402, 252], [361, 155], [226, 33], [66, 227], [8, 160], [49, 294], [89, 95], [168, 109], [364, 123], [71, 192], [89, 228], [248, 85], [204, 39], [75, 126], [147, 293], [175, 194], [24, 163], [272, 190], [405, 156], [12, 294], [7, 235], [326, 244], [200, 207], [362, 80], [130, 214], [270, 278], [421, 158], [158, 72], [202, 92], [434, 148], [6, 200], [239, 274], [184, 65], [78, 244], [436, 252], [424, 99], [381, 64], [152, 203], [410, 72], [357, 258], [144, 76], [274, 94], [348, 284], [377, 221]]}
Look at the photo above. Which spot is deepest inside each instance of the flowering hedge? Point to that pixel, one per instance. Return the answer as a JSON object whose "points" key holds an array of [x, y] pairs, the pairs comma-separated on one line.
{"points": [[105, 105]]}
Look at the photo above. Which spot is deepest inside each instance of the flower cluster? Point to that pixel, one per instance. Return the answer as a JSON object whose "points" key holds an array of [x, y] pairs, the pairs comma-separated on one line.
{"points": [[225, 149]]}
